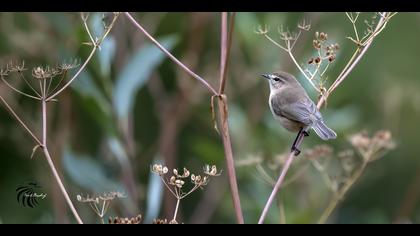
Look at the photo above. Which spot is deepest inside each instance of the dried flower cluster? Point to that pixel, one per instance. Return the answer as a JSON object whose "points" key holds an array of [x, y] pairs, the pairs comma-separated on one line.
{"points": [[164, 222], [126, 220], [100, 204], [44, 78], [177, 181], [104, 197], [372, 148], [370, 23]]}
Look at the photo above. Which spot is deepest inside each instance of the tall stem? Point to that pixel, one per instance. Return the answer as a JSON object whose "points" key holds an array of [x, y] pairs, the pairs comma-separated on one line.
{"points": [[178, 200], [51, 164], [276, 188], [224, 127], [225, 43]]}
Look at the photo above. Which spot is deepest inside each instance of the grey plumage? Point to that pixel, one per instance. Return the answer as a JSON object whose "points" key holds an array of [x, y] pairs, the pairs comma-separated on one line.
{"points": [[291, 105]]}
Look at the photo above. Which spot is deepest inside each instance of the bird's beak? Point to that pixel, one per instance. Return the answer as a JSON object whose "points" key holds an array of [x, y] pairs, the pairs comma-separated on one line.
{"points": [[267, 76]]}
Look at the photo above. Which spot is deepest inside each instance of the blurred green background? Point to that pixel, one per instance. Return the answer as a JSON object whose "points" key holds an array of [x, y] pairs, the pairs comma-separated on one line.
{"points": [[132, 107]]}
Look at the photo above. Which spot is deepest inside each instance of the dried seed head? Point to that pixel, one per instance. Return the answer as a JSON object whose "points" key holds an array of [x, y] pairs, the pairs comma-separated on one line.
{"points": [[317, 60], [120, 220], [160, 221], [316, 43], [159, 169], [44, 73], [68, 66], [323, 36], [211, 171], [176, 182], [360, 140], [311, 60]]}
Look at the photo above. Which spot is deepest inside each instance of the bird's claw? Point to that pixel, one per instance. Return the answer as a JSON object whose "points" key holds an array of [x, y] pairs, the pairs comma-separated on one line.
{"points": [[296, 151]]}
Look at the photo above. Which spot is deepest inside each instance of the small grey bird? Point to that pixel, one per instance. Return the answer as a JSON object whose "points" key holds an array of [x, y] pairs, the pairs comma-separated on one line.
{"points": [[291, 105]]}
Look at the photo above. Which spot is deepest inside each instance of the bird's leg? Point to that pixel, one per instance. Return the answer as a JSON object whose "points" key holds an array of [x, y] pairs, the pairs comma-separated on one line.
{"points": [[294, 148], [306, 133]]}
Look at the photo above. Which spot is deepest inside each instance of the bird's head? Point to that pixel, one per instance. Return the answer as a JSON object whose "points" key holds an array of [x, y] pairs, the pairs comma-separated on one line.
{"points": [[279, 80]]}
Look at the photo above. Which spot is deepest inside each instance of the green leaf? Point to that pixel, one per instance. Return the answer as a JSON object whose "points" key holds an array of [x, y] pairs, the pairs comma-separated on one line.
{"points": [[135, 74], [94, 101], [96, 24], [88, 173], [106, 55]]}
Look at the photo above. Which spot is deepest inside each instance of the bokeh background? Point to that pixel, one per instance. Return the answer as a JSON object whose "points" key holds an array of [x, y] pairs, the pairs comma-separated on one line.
{"points": [[132, 107]]}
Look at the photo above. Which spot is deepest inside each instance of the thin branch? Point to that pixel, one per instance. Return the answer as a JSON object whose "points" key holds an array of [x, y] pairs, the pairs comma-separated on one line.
{"points": [[29, 84], [225, 48], [189, 192], [18, 91], [95, 44], [223, 114], [62, 188], [74, 76], [63, 75], [224, 127], [341, 78], [174, 59], [276, 188], [176, 208], [167, 186], [51, 164], [13, 113]]}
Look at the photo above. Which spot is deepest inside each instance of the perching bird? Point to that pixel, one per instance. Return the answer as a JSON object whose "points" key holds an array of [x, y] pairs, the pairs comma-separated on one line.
{"points": [[291, 105]]}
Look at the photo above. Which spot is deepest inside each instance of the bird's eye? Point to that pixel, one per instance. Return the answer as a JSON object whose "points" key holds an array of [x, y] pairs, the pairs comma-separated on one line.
{"points": [[276, 79]]}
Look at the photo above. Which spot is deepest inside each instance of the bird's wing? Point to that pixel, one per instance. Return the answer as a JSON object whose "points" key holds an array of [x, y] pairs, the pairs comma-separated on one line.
{"points": [[302, 110]]}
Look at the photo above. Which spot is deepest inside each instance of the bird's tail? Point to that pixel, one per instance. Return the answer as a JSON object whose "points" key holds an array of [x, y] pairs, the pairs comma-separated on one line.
{"points": [[323, 131]]}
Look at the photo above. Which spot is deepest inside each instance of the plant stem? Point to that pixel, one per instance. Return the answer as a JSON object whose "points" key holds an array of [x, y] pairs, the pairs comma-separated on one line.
{"points": [[51, 164], [60, 184], [174, 59], [44, 122], [178, 200], [226, 42], [13, 113], [224, 127], [74, 76], [226, 39], [340, 79], [276, 187]]}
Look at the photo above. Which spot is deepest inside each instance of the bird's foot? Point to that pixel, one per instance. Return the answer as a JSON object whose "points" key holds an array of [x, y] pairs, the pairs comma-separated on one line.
{"points": [[295, 150]]}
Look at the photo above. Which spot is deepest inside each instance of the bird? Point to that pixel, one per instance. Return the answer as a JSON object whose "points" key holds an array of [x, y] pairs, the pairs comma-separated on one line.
{"points": [[291, 105]]}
